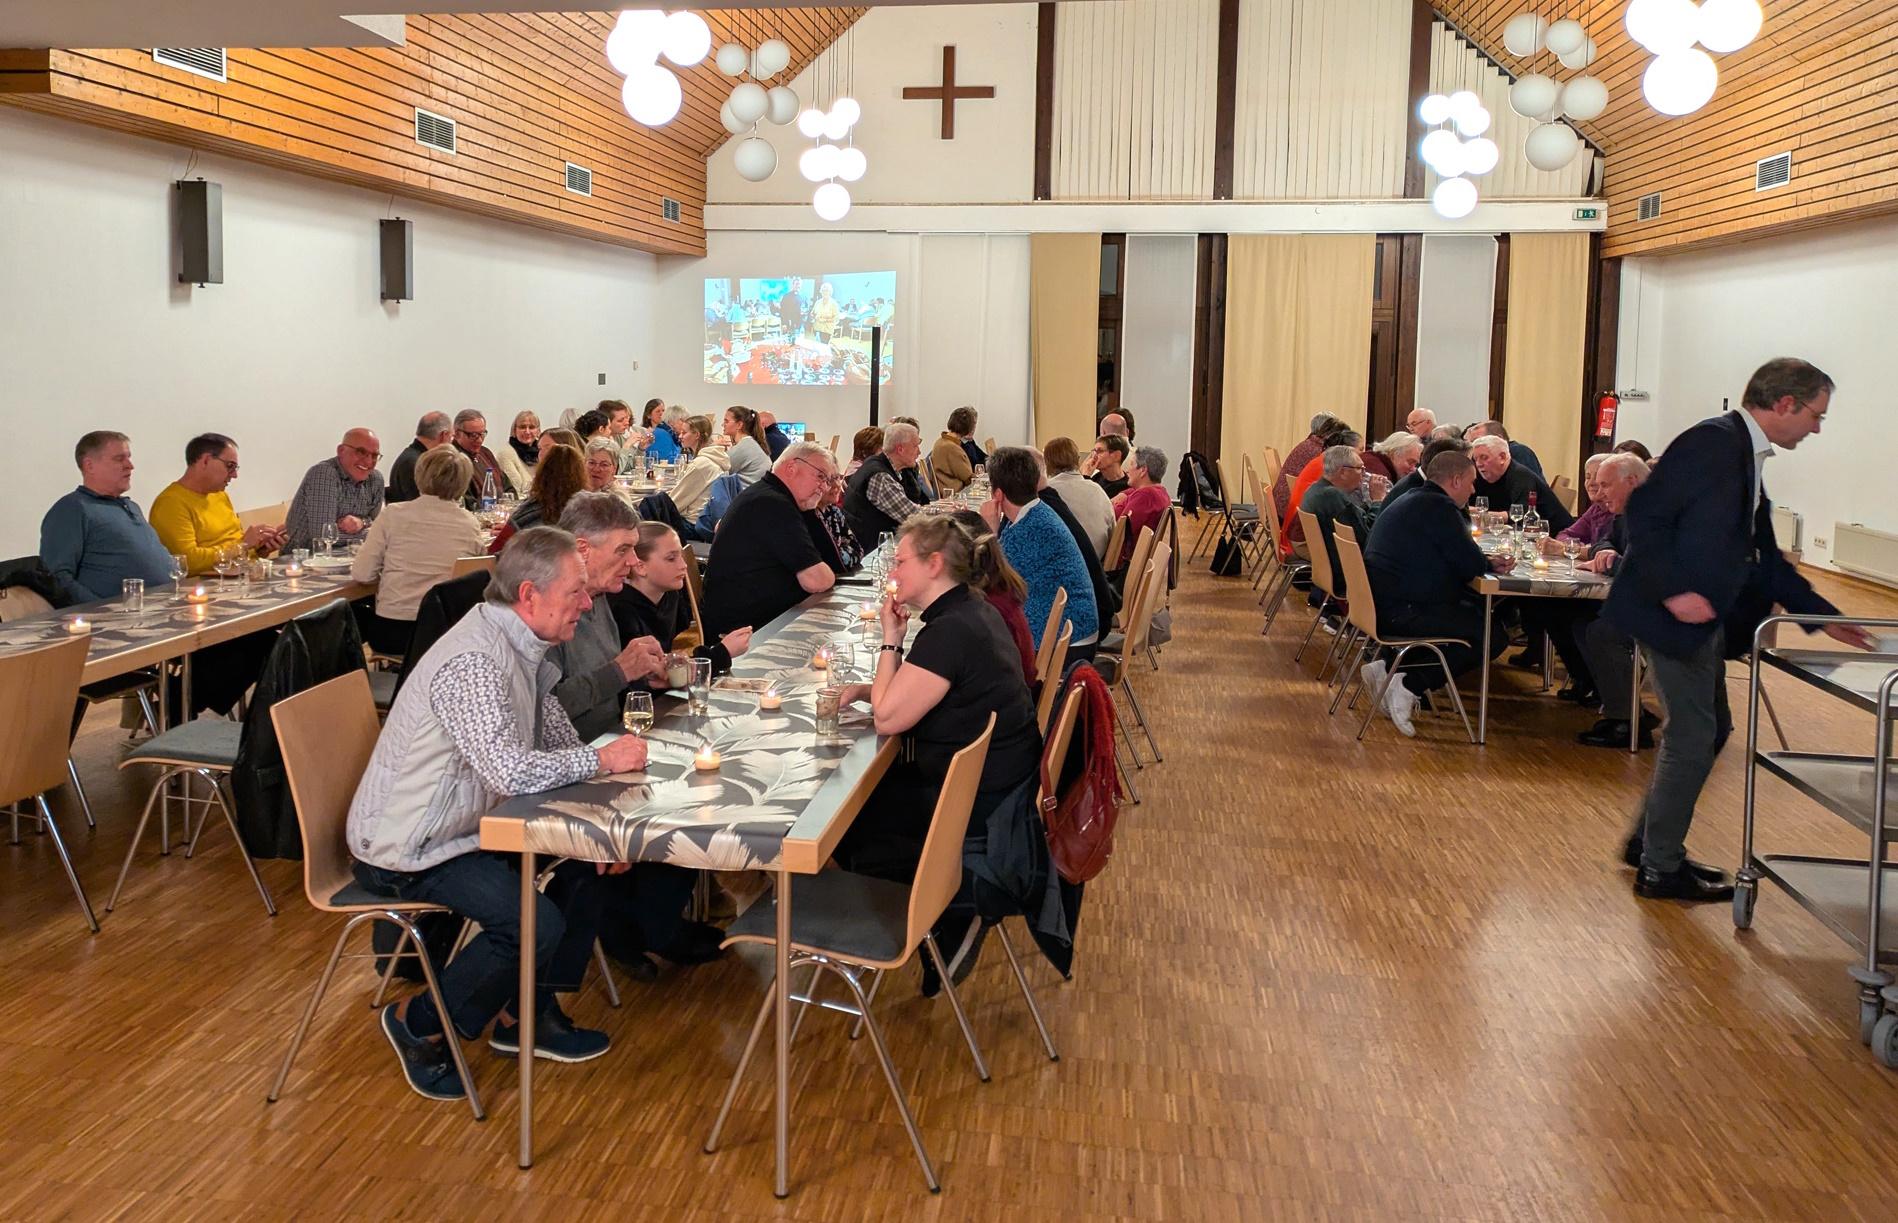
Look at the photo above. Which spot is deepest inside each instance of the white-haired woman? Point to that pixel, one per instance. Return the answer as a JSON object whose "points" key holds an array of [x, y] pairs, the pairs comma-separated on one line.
{"points": [[1393, 458]]}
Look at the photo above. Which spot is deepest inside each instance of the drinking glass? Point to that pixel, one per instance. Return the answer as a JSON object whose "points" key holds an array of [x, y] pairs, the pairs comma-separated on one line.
{"points": [[179, 568], [829, 701], [133, 592], [843, 660], [326, 537], [1516, 511], [229, 563], [678, 670], [1480, 504], [699, 694], [638, 716], [1377, 487], [1571, 548]]}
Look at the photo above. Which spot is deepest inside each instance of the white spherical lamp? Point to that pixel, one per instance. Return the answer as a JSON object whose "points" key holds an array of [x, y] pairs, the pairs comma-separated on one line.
{"points": [[1533, 96], [847, 109], [732, 59], [630, 46], [1434, 109], [1523, 35], [730, 121], [754, 159], [1442, 152], [1680, 82], [832, 201], [835, 128], [811, 122], [1551, 146], [652, 95], [749, 102], [1473, 122], [1727, 25], [687, 39], [773, 56], [851, 164], [1480, 156], [1663, 25], [1580, 58], [1584, 98], [818, 163], [781, 105], [1454, 198], [1565, 36]]}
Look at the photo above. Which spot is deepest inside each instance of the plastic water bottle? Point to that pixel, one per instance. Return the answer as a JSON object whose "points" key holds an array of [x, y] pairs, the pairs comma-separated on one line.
{"points": [[489, 494]]}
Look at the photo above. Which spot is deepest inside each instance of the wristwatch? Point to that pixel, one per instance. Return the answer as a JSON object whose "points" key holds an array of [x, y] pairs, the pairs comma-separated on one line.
{"points": [[893, 649]]}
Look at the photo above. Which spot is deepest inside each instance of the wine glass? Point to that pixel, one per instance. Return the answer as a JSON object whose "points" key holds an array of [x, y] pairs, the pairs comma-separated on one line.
{"points": [[326, 537], [1480, 504], [1516, 512], [1571, 548], [229, 563], [638, 715], [179, 569]]}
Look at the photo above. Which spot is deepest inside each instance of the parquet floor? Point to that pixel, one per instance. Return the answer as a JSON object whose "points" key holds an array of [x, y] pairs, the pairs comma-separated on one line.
{"points": [[1320, 979]]}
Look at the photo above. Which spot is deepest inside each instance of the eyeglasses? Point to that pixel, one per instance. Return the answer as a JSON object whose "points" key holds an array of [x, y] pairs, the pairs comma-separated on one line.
{"points": [[476, 434], [829, 476], [230, 465], [371, 455]]}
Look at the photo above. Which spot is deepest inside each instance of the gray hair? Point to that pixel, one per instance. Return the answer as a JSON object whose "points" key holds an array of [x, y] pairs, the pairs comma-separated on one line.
{"points": [[434, 424], [591, 516], [1337, 458], [467, 414], [1489, 440], [1623, 466], [1594, 460], [808, 452], [1399, 442], [1446, 432], [1323, 421], [677, 415], [1152, 460], [603, 443], [898, 434], [533, 557]]}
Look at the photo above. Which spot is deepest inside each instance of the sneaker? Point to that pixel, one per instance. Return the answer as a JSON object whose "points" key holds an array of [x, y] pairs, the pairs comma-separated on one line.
{"points": [[426, 1064], [555, 1038], [1371, 675], [1400, 703]]}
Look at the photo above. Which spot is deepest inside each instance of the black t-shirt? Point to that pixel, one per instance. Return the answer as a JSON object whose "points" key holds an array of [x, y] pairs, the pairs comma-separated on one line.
{"points": [[1113, 488], [763, 543], [965, 641], [637, 616]]}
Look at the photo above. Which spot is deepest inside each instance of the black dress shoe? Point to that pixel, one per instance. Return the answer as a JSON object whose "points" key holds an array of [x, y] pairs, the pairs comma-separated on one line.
{"points": [[1580, 695], [696, 943], [1683, 884], [1527, 660], [1613, 732], [1631, 856]]}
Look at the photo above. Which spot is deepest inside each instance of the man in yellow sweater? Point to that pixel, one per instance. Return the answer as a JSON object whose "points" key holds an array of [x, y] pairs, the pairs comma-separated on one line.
{"points": [[194, 517]]}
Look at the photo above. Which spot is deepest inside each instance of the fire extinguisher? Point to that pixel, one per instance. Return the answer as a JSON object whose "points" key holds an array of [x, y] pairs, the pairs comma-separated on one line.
{"points": [[1605, 414]]}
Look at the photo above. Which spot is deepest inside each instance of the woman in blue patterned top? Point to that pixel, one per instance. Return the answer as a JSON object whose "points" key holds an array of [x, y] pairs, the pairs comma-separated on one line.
{"points": [[1041, 548]]}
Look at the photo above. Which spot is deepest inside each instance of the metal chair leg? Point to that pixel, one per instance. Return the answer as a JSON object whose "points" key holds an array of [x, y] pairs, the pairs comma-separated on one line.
{"points": [[1121, 721], [131, 851], [1311, 632], [449, 1035], [889, 1076], [1127, 778], [606, 976], [1028, 995], [316, 999], [1140, 716], [876, 983], [230, 818], [955, 1004], [744, 1059], [79, 788], [810, 995], [1456, 698], [388, 971], [65, 860]]}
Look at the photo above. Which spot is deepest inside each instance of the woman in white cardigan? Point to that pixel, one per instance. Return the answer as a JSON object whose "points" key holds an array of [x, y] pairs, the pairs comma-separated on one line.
{"points": [[412, 545]]}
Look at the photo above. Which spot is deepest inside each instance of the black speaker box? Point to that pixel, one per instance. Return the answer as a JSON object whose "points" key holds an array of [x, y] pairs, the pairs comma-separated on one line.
{"points": [[398, 261], [200, 232]]}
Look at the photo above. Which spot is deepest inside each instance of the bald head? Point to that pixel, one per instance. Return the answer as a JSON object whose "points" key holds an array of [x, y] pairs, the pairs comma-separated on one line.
{"points": [[1114, 425], [358, 453]]}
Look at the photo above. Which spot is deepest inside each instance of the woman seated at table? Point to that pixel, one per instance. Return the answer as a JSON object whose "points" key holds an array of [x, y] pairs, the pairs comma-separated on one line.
{"points": [[517, 458], [748, 455], [602, 466], [866, 442], [561, 474], [412, 545], [962, 667], [653, 601], [550, 438], [1005, 590]]}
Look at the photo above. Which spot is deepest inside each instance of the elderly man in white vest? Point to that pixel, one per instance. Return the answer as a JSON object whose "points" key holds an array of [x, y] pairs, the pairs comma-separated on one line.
{"points": [[476, 721]]}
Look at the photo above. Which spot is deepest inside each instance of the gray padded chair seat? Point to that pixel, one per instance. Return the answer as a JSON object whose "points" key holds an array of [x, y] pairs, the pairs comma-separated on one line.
{"points": [[855, 916], [382, 688], [211, 742], [119, 685], [354, 895]]}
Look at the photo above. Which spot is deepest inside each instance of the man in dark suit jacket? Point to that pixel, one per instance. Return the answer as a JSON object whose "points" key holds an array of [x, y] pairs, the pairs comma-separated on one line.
{"points": [[1702, 570]]}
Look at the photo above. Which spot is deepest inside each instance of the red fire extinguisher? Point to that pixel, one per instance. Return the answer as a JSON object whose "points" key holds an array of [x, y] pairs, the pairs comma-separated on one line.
{"points": [[1605, 414]]}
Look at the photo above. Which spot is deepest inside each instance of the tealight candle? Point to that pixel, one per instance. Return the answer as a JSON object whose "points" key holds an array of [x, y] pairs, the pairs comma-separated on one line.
{"points": [[78, 624], [770, 698], [866, 611], [820, 661], [707, 759], [293, 568], [1542, 562], [198, 594]]}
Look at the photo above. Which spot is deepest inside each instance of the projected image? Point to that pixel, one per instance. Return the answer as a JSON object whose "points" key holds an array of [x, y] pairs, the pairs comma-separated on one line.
{"points": [[798, 330]]}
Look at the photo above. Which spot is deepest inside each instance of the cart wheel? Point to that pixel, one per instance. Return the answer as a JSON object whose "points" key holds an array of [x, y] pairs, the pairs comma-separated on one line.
{"points": [[1743, 900], [1869, 1015], [1885, 1041]]}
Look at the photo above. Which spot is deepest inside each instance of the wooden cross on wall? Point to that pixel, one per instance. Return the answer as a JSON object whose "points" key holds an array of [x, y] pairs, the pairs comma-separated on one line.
{"points": [[948, 93]]}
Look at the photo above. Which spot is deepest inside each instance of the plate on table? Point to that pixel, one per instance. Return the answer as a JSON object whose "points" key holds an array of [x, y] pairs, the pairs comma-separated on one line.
{"points": [[329, 564]]}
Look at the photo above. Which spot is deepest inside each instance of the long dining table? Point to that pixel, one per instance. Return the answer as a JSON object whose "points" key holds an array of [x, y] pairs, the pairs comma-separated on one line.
{"points": [[1550, 579], [779, 799]]}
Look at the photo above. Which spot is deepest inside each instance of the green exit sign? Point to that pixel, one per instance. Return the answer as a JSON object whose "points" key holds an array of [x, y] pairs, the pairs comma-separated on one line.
{"points": [[1588, 214]]}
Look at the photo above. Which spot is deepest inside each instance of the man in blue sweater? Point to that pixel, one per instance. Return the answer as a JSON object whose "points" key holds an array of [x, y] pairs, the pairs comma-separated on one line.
{"points": [[1038, 544], [95, 536]]}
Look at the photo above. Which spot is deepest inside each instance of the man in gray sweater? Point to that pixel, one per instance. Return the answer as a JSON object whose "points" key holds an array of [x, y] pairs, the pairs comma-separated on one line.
{"points": [[596, 668]]}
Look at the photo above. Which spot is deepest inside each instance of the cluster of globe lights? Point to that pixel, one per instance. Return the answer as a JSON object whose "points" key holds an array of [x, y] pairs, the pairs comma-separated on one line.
{"points": [[1551, 144], [824, 164], [1681, 77], [652, 94], [1457, 147]]}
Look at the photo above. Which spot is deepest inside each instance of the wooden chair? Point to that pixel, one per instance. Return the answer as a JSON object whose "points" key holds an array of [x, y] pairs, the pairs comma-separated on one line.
{"points": [[1051, 682], [1273, 466], [264, 515], [835, 439], [465, 565], [988, 445], [1136, 563], [695, 595], [1049, 633], [846, 924], [1289, 569], [1250, 487], [38, 690], [1116, 540], [1565, 493], [1326, 584], [327, 734], [1363, 611], [1115, 655]]}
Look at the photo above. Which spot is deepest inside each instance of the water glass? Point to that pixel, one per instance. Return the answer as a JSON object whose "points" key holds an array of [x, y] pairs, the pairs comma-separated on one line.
{"points": [[699, 694], [829, 702], [133, 592]]}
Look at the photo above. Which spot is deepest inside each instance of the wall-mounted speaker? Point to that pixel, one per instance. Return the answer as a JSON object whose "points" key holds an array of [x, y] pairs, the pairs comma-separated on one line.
{"points": [[398, 261], [200, 232]]}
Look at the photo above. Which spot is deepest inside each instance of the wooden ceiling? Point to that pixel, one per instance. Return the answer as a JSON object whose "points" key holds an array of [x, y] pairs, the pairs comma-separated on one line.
{"points": [[1821, 81]]}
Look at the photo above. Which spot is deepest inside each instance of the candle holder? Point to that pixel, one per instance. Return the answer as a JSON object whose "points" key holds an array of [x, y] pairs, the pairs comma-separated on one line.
{"points": [[821, 657], [866, 611], [198, 595], [770, 700], [707, 759], [78, 625]]}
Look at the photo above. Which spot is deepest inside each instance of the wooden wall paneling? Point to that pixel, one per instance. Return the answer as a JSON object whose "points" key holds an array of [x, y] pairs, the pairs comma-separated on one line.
{"points": [[1423, 22], [1409, 301], [1225, 98], [1209, 345], [1045, 18], [1498, 332], [1386, 342]]}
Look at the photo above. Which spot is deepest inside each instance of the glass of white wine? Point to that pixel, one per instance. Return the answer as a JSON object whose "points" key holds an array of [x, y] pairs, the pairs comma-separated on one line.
{"points": [[638, 716]]}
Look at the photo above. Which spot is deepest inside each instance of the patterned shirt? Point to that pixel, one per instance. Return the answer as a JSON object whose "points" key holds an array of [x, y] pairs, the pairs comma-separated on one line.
{"points": [[469, 697], [887, 494], [328, 495]]}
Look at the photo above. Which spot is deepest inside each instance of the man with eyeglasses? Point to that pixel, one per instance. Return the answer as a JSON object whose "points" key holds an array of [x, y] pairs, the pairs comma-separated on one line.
{"points": [[471, 431], [1702, 570], [345, 491], [772, 550], [194, 516]]}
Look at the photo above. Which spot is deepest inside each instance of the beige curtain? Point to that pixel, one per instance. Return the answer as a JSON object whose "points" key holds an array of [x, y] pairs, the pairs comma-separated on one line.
{"points": [[1542, 366], [1298, 338], [1064, 333]]}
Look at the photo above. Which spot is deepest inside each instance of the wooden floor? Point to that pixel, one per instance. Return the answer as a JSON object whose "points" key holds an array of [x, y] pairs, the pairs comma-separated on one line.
{"points": [[1320, 979]]}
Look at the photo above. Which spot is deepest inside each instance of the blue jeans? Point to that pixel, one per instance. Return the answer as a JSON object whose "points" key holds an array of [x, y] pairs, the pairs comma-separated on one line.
{"points": [[483, 977]]}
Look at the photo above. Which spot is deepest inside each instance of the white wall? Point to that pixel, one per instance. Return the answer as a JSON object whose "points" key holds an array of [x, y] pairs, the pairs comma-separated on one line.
{"points": [[960, 332], [1695, 326], [1156, 341], [1455, 316], [991, 159], [294, 346]]}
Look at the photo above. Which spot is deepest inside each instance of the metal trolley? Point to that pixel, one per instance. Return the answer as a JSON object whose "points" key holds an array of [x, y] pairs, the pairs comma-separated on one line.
{"points": [[1842, 893]]}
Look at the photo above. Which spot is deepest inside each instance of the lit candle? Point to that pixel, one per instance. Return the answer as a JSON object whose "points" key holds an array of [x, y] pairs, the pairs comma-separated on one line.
{"points": [[293, 568], [78, 624], [820, 661], [1542, 562], [707, 758], [770, 698], [198, 594], [866, 611]]}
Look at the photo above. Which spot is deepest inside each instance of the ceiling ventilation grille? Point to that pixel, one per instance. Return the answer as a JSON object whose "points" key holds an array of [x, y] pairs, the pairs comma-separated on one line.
{"points": [[669, 209], [1775, 171], [1650, 206], [204, 61], [435, 131], [579, 179]]}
